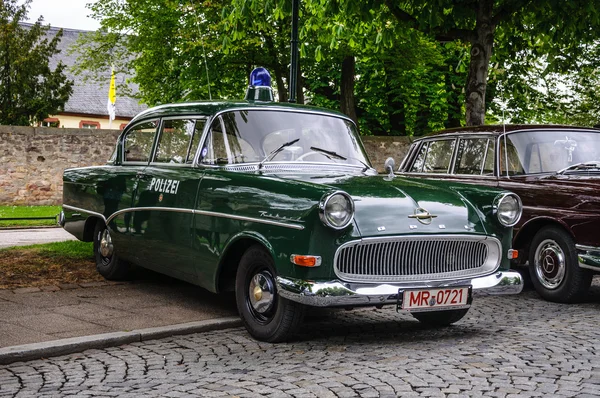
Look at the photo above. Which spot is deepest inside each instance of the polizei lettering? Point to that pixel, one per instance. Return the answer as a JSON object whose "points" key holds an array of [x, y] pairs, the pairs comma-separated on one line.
{"points": [[164, 186]]}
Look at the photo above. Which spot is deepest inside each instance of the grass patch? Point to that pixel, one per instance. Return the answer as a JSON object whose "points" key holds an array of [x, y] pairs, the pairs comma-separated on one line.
{"points": [[48, 264], [28, 212]]}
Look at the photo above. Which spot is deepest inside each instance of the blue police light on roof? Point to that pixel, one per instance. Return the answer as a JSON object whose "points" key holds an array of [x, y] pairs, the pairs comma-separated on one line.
{"points": [[260, 86], [260, 77]]}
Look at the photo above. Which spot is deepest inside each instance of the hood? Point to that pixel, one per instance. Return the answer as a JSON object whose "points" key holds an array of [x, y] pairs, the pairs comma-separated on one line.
{"points": [[388, 207]]}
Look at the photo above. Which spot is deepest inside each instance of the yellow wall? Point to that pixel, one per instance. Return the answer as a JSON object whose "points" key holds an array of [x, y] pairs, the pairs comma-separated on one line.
{"points": [[68, 121]]}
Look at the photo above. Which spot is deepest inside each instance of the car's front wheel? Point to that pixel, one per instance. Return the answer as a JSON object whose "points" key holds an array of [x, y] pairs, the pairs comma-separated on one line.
{"points": [[267, 316], [440, 318], [108, 264], [554, 268]]}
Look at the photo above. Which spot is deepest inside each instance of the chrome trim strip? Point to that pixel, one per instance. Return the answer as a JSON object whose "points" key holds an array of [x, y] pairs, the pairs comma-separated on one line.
{"points": [[251, 219], [85, 211], [491, 264], [134, 209], [337, 293], [588, 248], [207, 213]]}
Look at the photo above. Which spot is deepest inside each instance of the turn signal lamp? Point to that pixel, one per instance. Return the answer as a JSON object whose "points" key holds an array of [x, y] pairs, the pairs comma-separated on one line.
{"points": [[260, 86], [513, 254], [305, 261]]}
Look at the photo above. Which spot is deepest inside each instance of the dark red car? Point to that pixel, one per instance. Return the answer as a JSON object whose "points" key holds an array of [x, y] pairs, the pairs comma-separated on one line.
{"points": [[556, 172]]}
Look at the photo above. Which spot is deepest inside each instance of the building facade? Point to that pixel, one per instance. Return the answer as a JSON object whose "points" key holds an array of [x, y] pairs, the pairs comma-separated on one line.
{"points": [[86, 108]]}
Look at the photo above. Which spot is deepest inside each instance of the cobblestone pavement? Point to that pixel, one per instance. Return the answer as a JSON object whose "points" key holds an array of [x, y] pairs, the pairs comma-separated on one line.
{"points": [[506, 346]]}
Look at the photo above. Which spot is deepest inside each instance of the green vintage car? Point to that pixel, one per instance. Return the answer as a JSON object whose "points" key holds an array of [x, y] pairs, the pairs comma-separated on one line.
{"points": [[278, 202]]}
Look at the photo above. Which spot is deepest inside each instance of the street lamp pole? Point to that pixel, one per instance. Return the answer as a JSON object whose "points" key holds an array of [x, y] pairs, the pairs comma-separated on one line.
{"points": [[294, 49]]}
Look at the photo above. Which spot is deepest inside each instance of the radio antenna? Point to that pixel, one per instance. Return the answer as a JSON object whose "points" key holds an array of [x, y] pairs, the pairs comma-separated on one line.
{"points": [[504, 132], [503, 108], [205, 62]]}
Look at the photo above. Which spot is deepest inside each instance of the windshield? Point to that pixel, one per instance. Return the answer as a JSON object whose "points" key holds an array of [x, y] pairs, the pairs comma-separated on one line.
{"points": [[534, 152], [250, 136]]}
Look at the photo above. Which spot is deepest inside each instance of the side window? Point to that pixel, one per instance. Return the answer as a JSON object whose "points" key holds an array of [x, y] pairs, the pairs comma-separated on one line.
{"points": [[488, 163], [417, 166], [510, 164], [198, 129], [138, 142], [474, 157], [438, 157], [214, 150], [224, 145], [178, 141]]}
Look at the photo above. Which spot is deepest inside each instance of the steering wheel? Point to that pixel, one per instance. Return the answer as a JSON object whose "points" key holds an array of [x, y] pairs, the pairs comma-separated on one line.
{"points": [[304, 155]]}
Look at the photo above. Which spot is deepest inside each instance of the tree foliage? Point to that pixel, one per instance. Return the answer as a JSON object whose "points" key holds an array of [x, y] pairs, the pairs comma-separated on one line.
{"points": [[29, 89], [398, 68]]}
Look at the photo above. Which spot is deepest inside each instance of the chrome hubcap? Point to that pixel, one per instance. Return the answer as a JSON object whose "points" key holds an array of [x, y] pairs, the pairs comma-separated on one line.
{"points": [[550, 264], [261, 292], [106, 246]]}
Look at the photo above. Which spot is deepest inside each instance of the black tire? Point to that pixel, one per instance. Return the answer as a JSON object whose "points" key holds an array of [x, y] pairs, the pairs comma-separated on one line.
{"points": [[266, 315], [108, 263], [440, 318], [554, 269]]}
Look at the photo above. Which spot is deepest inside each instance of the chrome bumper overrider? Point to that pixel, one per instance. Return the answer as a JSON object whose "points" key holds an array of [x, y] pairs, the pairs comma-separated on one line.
{"points": [[588, 257], [342, 294]]}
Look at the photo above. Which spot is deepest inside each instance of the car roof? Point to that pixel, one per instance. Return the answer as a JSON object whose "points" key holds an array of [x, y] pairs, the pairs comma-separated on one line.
{"points": [[209, 108], [497, 129]]}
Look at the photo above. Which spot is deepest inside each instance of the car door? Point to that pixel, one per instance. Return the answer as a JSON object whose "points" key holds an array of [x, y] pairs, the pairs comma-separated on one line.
{"points": [[121, 191], [167, 194]]}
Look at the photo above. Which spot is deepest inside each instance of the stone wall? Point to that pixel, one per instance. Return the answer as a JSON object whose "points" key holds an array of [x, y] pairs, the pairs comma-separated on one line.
{"points": [[381, 148], [32, 159]]}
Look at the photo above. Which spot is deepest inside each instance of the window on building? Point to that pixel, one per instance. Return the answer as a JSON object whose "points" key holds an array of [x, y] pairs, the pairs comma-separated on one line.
{"points": [[50, 122], [88, 124]]}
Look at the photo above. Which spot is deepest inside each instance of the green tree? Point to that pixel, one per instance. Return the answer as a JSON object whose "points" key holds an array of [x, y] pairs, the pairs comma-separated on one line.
{"points": [[556, 28], [169, 60], [29, 89], [368, 69]]}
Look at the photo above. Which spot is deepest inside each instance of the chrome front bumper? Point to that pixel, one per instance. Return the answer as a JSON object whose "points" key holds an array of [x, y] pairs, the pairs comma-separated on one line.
{"points": [[341, 294], [588, 257]]}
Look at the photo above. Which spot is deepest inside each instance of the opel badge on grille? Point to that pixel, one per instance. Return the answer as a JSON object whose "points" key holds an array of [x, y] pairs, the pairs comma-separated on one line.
{"points": [[423, 216]]}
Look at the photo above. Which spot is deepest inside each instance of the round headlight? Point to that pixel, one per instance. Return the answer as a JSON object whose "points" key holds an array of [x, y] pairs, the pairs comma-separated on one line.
{"points": [[508, 209], [337, 210]]}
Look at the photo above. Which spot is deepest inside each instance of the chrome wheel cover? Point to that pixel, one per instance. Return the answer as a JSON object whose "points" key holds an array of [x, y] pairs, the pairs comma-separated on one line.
{"points": [[261, 293], [106, 246], [550, 264]]}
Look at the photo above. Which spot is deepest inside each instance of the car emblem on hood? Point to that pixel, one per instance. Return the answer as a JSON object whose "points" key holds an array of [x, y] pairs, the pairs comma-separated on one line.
{"points": [[423, 216]]}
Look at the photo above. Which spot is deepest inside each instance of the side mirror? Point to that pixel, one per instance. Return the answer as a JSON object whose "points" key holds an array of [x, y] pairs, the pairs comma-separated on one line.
{"points": [[390, 166]]}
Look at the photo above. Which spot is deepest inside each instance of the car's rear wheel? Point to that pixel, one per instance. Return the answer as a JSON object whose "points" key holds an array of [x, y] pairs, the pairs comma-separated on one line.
{"points": [[108, 263], [554, 269], [440, 318], [267, 316]]}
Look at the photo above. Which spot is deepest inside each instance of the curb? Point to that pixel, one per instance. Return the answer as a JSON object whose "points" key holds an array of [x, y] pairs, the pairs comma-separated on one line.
{"points": [[28, 227], [28, 352]]}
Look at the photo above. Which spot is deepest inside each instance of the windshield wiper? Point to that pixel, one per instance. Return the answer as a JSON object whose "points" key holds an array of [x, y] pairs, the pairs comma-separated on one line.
{"points": [[336, 155], [274, 152], [583, 166]]}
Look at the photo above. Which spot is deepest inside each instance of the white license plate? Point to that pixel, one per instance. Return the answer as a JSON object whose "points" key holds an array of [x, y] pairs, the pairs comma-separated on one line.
{"points": [[426, 299]]}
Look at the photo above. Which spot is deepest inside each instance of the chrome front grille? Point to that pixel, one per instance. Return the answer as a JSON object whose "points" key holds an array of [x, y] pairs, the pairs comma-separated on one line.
{"points": [[417, 258]]}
